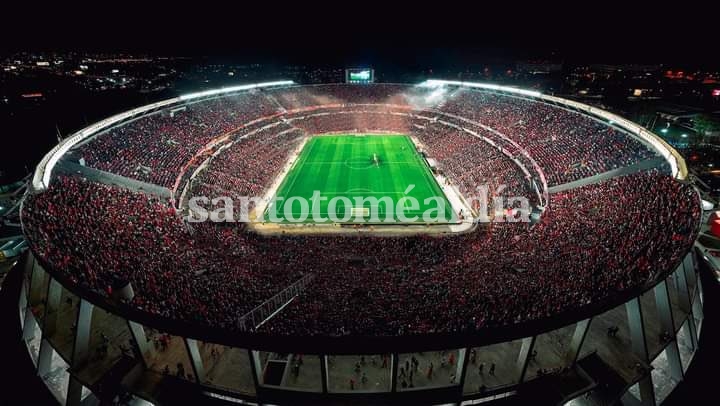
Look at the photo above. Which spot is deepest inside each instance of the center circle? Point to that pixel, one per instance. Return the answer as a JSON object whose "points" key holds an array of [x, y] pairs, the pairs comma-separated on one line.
{"points": [[359, 164]]}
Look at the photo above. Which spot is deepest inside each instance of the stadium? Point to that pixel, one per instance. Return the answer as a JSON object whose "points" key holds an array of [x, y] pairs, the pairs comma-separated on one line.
{"points": [[587, 291]]}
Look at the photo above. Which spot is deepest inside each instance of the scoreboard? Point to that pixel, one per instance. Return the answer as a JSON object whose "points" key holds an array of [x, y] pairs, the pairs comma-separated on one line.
{"points": [[359, 75]]}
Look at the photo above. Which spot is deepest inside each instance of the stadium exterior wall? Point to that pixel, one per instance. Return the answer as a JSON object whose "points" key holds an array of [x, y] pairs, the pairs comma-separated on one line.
{"points": [[40, 330]]}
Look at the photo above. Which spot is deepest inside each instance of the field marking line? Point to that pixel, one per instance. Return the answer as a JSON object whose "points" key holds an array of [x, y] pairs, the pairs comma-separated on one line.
{"points": [[342, 162], [352, 193], [294, 166]]}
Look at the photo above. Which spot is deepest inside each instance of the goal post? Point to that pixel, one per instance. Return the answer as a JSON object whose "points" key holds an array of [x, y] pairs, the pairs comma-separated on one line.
{"points": [[359, 212]]}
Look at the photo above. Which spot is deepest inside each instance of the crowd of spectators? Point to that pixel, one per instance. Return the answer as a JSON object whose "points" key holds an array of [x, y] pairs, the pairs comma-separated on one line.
{"points": [[592, 243], [338, 94], [349, 120], [249, 165], [472, 163], [103, 236], [154, 148], [567, 145]]}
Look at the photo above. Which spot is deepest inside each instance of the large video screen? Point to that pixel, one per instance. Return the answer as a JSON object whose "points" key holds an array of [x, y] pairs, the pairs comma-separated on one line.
{"points": [[359, 75]]}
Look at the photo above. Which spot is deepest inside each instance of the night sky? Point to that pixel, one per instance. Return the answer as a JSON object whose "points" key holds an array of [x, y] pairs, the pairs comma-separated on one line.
{"points": [[364, 32]]}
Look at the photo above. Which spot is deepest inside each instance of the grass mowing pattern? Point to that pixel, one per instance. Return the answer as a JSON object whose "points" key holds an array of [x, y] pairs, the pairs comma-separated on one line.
{"points": [[343, 166]]}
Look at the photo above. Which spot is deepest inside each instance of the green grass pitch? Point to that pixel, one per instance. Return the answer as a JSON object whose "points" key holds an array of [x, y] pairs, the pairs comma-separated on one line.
{"points": [[359, 165]]}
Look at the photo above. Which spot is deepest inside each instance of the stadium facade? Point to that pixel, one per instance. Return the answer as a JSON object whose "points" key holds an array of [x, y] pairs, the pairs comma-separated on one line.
{"points": [[633, 342]]}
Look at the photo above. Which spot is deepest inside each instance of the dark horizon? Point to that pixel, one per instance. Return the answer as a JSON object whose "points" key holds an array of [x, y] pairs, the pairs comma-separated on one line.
{"points": [[627, 34]]}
